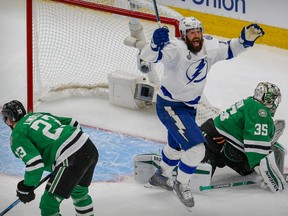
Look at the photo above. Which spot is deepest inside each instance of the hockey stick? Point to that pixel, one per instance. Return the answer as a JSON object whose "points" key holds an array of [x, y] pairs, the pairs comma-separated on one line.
{"points": [[226, 185], [18, 200], [157, 14]]}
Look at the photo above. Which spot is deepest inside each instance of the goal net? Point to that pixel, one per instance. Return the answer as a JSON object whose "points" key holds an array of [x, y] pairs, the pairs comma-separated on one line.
{"points": [[73, 45]]}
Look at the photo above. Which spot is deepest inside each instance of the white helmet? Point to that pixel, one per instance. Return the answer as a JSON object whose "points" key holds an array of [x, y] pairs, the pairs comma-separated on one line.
{"points": [[269, 95], [189, 23]]}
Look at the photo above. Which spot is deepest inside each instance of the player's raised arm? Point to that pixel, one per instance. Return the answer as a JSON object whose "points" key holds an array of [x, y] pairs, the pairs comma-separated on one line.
{"points": [[250, 34]]}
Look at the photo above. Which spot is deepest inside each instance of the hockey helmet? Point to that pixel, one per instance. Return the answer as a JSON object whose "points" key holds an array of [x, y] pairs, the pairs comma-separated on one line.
{"points": [[189, 23], [269, 95], [13, 110]]}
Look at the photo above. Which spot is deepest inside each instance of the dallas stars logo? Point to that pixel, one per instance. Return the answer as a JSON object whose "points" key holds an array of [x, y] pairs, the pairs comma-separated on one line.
{"points": [[262, 113]]}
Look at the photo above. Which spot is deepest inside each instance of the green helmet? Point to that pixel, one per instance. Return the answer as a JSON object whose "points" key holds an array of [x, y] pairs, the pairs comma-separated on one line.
{"points": [[269, 95]]}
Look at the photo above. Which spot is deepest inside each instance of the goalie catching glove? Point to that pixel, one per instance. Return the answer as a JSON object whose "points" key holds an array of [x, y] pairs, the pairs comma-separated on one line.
{"points": [[249, 35], [270, 174], [279, 129]]}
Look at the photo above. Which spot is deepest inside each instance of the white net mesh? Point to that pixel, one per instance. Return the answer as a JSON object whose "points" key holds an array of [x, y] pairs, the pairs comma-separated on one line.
{"points": [[205, 110], [75, 48]]}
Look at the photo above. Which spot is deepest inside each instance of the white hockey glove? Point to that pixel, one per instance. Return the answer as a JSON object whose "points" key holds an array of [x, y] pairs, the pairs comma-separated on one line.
{"points": [[280, 153], [249, 34], [279, 130], [270, 174]]}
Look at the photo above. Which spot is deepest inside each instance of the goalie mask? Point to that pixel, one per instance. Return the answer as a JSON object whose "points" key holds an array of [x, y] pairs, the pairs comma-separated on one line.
{"points": [[189, 23], [269, 95], [13, 110]]}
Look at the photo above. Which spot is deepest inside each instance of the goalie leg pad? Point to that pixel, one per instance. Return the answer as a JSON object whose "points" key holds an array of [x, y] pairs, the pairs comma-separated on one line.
{"points": [[271, 174], [280, 152], [145, 165]]}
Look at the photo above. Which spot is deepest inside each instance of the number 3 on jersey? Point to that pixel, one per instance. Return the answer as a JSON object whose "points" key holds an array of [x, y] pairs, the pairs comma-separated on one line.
{"points": [[261, 129], [225, 114]]}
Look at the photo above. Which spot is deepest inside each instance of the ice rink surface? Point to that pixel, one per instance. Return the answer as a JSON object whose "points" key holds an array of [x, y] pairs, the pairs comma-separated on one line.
{"points": [[228, 82]]}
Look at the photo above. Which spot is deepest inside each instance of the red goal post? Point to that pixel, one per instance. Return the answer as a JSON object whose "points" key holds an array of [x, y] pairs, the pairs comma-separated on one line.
{"points": [[73, 5]]}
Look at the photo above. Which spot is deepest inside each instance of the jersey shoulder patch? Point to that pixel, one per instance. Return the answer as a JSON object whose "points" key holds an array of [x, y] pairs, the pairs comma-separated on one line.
{"points": [[210, 42], [262, 113], [208, 37], [256, 107]]}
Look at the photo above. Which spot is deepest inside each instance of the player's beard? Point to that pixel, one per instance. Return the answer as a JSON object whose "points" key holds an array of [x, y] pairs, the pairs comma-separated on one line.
{"points": [[192, 47]]}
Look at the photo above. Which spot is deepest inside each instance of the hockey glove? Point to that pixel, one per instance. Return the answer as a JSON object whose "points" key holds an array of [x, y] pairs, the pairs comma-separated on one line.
{"points": [[280, 152], [160, 38], [270, 174], [279, 129], [249, 34], [25, 193]]}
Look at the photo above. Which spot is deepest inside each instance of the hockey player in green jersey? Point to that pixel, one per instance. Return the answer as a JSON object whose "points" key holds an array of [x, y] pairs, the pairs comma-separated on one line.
{"points": [[240, 137], [45, 142]]}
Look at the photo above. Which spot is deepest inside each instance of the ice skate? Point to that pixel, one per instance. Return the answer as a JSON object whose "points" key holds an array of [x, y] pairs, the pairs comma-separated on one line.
{"points": [[184, 194], [158, 180]]}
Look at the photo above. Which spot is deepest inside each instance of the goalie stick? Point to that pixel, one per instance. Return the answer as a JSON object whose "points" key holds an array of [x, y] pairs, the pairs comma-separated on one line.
{"points": [[18, 200], [226, 185], [233, 184]]}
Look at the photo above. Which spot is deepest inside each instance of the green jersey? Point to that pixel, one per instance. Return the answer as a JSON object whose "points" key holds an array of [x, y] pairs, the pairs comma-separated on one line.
{"points": [[43, 141], [249, 126]]}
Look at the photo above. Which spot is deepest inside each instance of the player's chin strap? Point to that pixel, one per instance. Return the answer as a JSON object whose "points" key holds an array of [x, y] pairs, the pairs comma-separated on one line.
{"points": [[270, 175]]}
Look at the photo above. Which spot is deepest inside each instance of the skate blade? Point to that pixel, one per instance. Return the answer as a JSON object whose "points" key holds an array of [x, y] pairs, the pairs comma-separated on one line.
{"points": [[148, 185], [186, 207]]}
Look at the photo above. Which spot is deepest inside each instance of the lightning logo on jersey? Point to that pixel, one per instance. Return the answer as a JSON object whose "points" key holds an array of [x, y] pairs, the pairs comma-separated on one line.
{"points": [[197, 71]]}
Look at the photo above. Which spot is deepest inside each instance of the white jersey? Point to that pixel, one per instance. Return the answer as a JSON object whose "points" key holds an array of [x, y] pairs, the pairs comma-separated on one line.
{"points": [[185, 73]]}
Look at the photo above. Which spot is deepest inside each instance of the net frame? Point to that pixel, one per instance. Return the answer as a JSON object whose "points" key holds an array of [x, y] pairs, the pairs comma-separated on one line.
{"points": [[91, 5], [31, 99]]}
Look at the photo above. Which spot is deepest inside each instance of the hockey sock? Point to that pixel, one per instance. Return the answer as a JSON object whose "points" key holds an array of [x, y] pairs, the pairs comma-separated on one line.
{"points": [[50, 204], [82, 201]]}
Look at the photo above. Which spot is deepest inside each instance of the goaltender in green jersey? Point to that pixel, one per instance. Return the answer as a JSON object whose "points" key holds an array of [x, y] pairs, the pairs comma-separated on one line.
{"points": [[45, 142], [243, 137]]}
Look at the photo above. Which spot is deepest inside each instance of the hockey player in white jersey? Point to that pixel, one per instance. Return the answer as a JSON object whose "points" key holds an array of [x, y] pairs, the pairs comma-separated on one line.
{"points": [[187, 61]]}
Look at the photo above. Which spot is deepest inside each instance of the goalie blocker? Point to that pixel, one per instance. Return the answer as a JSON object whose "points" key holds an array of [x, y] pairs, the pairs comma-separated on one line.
{"points": [[145, 165]]}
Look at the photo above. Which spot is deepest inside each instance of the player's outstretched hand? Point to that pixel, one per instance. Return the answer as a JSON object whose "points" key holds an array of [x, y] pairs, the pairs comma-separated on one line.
{"points": [[25, 193], [249, 35], [160, 38]]}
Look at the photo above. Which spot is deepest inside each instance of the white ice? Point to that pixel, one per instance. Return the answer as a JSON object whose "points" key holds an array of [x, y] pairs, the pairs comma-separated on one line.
{"points": [[228, 82]]}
